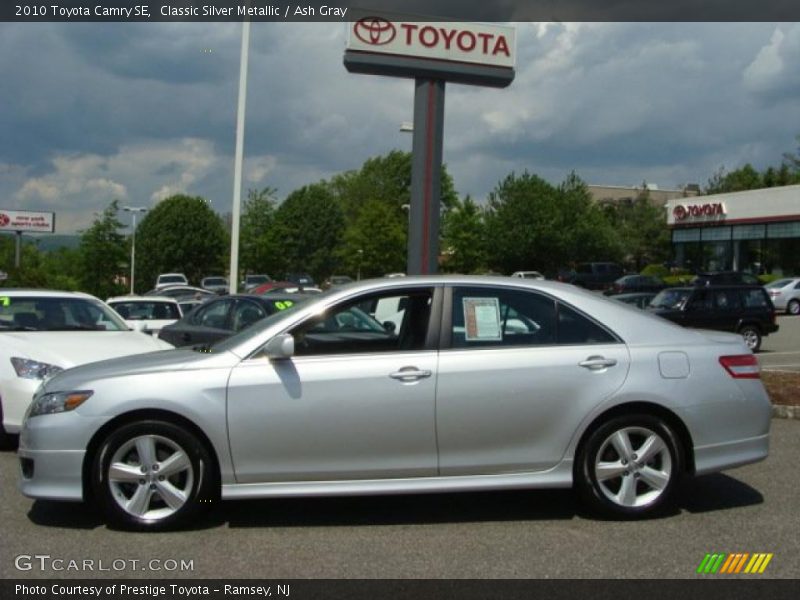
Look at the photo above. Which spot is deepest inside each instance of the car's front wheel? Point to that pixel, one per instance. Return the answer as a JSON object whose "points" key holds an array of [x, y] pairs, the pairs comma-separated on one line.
{"points": [[629, 466], [751, 336], [152, 475]]}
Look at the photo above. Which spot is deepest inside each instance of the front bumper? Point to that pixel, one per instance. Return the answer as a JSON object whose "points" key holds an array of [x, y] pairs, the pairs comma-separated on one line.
{"points": [[51, 453]]}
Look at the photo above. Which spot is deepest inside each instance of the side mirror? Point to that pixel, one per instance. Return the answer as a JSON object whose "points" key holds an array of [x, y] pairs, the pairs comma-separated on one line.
{"points": [[280, 347], [389, 326]]}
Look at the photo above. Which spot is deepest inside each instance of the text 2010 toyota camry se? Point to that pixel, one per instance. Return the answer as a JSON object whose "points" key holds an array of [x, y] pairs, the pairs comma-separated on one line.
{"points": [[420, 384]]}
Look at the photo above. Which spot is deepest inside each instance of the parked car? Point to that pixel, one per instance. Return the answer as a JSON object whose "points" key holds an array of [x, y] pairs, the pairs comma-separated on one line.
{"points": [[630, 284], [785, 294], [183, 292], [146, 313], [335, 280], [218, 285], [43, 332], [168, 279], [593, 275], [725, 278], [300, 279], [253, 281], [217, 319], [318, 400], [291, 288], [746, 310], [639, 299], [527, 274], [188, 306]]}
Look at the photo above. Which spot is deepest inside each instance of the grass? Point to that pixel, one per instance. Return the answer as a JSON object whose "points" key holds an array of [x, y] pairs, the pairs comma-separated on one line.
{"points": [[782, 387]]}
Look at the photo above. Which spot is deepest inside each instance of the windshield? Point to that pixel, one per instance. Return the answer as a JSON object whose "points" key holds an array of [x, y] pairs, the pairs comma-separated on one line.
{"points": [[229, 343], [146, 310], [215, 281], [30, 313], [172, 279], [256, 279], [673, 299]]}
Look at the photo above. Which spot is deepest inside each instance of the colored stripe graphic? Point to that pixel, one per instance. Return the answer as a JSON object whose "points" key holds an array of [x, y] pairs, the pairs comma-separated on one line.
{"points": [[734, 563]]}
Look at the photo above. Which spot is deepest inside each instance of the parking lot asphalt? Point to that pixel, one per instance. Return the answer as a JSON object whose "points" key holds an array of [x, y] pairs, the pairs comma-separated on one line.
{"points": [[781, 351], [520, 534]]}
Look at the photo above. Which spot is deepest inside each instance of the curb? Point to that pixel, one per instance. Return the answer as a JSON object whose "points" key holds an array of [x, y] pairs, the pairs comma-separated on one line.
{"points": [[785, 411]]}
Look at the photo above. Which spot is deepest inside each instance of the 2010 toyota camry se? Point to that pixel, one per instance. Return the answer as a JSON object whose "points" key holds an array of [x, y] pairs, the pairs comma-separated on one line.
{"points": [[419, 384]]}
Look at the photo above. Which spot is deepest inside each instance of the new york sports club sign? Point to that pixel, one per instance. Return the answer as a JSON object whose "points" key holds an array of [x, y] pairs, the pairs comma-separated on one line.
{"points": [[482, 44]]}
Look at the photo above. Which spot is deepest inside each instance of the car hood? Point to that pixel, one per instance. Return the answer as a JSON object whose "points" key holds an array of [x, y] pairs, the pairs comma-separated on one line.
{"points": [[69, 348], [154, 362]]}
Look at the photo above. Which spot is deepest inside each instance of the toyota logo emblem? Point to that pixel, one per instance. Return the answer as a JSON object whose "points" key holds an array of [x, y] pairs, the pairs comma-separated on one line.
{"points": [[374, 31], [680, 212], [4, 220]]}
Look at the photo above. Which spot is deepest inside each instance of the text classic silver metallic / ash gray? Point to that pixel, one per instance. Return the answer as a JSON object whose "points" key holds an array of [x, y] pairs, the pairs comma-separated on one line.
{"points": [[418, 384]]}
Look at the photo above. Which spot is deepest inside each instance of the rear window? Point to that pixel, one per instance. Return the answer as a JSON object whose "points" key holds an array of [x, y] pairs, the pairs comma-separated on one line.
{"points": [[755, 298]]}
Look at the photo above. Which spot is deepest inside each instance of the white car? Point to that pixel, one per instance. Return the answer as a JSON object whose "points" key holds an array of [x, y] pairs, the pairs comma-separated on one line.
{"points": [[785, 294], [43, 332], [146, 313], [168, 279], [528, 275]]}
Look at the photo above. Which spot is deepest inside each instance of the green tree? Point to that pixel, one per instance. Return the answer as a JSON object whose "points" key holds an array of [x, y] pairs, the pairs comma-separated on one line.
{"points": [[644, 235], [308, 226], [375, 243], [103, 255], [743, 178], [531, 224], [258, 248], [181, 234], [464, 238]]}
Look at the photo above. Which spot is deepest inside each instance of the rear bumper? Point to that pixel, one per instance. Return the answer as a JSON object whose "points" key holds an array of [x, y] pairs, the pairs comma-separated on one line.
{"points": [[717, 457]]}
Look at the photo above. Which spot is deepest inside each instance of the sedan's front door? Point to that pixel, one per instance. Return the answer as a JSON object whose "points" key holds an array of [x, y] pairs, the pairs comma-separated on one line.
{"points": [[355, 402]]}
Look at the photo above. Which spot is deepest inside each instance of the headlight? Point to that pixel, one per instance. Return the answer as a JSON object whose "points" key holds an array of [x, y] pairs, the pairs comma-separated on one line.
{"points": [[31, 369], [48, 404]]}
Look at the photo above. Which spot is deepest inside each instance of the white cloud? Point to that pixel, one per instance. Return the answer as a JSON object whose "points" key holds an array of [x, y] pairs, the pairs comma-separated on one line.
{"points": [[775, 71]]}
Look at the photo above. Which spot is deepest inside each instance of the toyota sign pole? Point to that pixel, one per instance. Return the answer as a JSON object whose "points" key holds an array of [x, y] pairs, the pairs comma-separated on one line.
{"points": [[431, 53]]}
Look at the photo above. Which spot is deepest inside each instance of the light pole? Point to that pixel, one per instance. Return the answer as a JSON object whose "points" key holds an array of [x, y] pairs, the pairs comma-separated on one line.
{"points": [[133, 210]]}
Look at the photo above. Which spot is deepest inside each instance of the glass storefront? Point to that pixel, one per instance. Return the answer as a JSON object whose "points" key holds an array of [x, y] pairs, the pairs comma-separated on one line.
{"points": [[772, 248]]}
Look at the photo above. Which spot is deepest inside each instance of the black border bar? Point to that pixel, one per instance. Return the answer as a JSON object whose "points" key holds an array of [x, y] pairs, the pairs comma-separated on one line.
{"points": [[446, 10]]}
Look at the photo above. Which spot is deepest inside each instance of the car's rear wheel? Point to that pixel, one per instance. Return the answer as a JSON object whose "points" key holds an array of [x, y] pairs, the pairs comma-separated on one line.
{"points": [[629, 466], [793, 308], [152, 475], [751, 336]]}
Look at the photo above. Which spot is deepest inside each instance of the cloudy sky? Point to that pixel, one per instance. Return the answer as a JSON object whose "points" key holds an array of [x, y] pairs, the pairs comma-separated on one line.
{"points": [[93, 112]]}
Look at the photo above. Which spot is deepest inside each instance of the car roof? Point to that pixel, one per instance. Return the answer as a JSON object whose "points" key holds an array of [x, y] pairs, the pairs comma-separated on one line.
{"points": [[142, 299], [42, 293]]}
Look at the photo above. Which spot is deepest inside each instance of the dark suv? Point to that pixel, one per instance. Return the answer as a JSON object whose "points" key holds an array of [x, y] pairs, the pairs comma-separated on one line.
{"points": [[725, 278], [595, 275], [744, 309]]}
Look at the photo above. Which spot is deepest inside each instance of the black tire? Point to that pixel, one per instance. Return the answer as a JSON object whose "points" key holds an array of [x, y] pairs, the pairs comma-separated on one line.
{"points": [[752, 337], [607, 496], [167, 494], [793, 308]]}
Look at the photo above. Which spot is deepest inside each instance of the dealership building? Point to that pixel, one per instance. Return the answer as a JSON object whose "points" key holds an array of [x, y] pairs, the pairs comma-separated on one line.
{"points": [[756, 231]]}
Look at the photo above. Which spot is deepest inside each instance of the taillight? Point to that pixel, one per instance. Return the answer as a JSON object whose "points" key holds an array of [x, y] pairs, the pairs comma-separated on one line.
{"points": [[741, 366]]}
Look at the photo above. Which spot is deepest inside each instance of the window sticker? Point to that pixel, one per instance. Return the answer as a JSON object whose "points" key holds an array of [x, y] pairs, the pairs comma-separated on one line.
{"points": [[283, 304], [482, 319], [5, 301]]}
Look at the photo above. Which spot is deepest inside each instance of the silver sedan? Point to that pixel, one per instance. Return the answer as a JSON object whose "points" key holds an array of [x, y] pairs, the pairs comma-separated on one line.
{"points": [[785, 294], [408, 385]]}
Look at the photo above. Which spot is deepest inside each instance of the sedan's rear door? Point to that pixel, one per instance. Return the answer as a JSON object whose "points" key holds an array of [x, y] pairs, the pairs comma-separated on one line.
{"points": [[518, 372]]}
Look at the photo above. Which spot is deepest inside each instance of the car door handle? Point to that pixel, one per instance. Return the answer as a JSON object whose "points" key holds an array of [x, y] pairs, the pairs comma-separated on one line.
{"points": [[410, 374], [595, 363]]}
